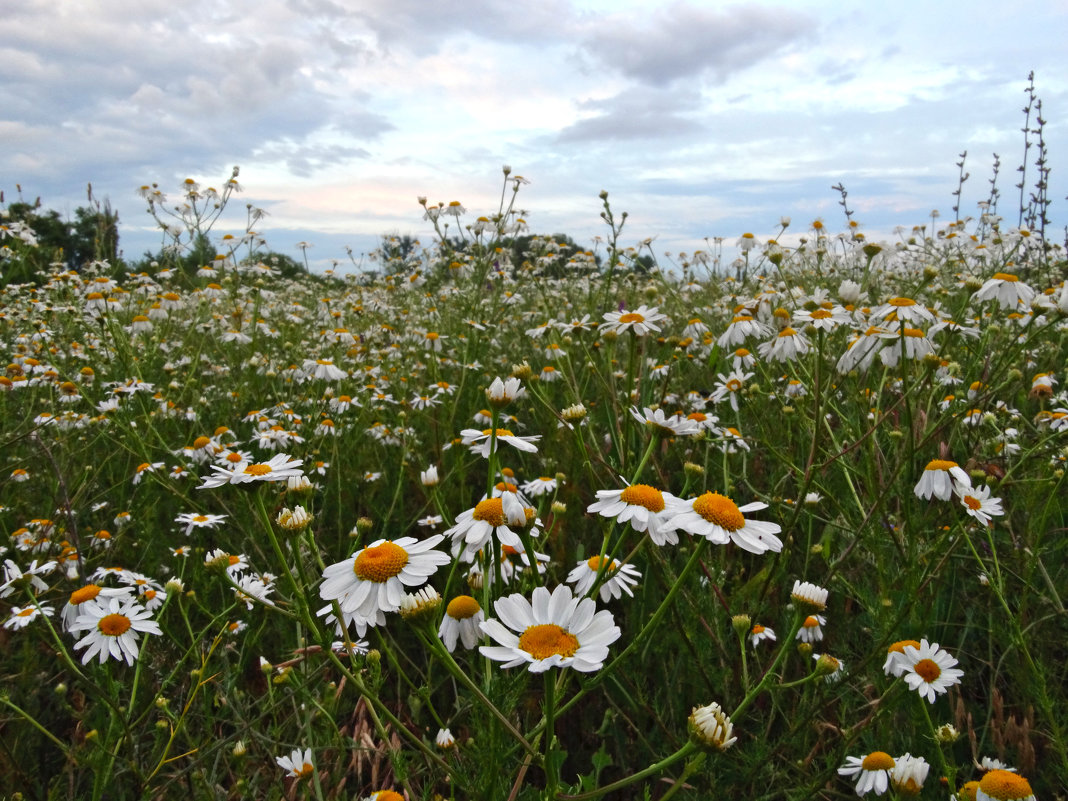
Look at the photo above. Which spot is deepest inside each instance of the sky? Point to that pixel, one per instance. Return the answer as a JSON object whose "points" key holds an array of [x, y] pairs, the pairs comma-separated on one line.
{"points": [[700, 119]]}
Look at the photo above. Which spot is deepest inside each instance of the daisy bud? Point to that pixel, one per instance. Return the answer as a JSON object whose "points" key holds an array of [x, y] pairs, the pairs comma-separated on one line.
{"points": [[444, 739], [420, 605], [827, 665], [809, 597], [522, 371], [558, 507], [364, 525], [711, 728], [294, 519], [693, 470], [239, 749], [573, 414], [298, 484], [804, 649], [741, 624], [947, 733], [174, 586]]}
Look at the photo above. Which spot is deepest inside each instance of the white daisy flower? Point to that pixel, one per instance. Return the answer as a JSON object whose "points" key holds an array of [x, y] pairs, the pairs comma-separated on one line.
{"points": [[617, 578], [641, 505], [461, 620], [872, 772], [759, 633], [811, 629], [674, 426], [896, 664], [21, 617], [481, 442], [978, 503], [1003, 785], [930, 670], [720, 520], [113, 628], [550, 630], [641, 321], [1007, 290], [192, 520], [490, 517], [374, 579], [908, 774], [940, 478], [279, 468], [298, 765]]}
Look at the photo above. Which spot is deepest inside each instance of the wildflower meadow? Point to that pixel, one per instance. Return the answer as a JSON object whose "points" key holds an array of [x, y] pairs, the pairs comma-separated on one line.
{"points": [[505, 518]]}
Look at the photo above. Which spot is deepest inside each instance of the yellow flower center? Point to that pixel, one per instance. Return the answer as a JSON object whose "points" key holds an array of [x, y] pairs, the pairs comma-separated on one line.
{"points": [[305, 771], [900, 302], [201, 442], [757, 629], [490, 511], [972, 503], [811, 622], [114, 625], [26, 612], [1005, 785], [1005, 277], [940, 464], [462, 607], [877, 760], [928, 670], [594, 563], [86, 593], [720, 510], [501, 432], [643, 495], [380, 563], [258, 469], [912, 332], [544, 640], [733, 385], [820, 314], [899, 646], [787, 332], [631, 317], [388, 795]]}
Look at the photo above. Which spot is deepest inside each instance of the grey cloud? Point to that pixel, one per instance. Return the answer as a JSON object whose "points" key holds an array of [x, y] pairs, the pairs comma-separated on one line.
{"points": [[638, 113], [683, 41]]}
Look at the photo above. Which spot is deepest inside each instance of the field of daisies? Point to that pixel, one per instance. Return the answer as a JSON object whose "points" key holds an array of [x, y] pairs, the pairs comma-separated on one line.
{"points": [[548, 524]]}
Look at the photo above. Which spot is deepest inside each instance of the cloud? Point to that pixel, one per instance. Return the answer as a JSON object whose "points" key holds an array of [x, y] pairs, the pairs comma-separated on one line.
{"points": [[684, 41], [635, 114]]}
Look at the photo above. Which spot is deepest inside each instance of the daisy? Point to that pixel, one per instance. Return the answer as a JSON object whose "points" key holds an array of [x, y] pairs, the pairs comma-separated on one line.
{"points": [[192, 520], [787, 346], [22, 616], [728, 386], [501, 393], [113, 629], [711, 727], [490, 517], [640, 505], [481, 442], [940, 478], [741, 327], [444, 739], [978, 503], [929, 670], [720, 520], [811, 630], [908, 774], [640, 321], [550, 630], [760, 633], [674, 426], [461, 621], [279, 468], [543, 485], [896, 664], [904, 310], [298, 765], [617, 578], [809, 595], [872, 772], [821, 318], [373, 580], [1007, 290], [1003, 785]]}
